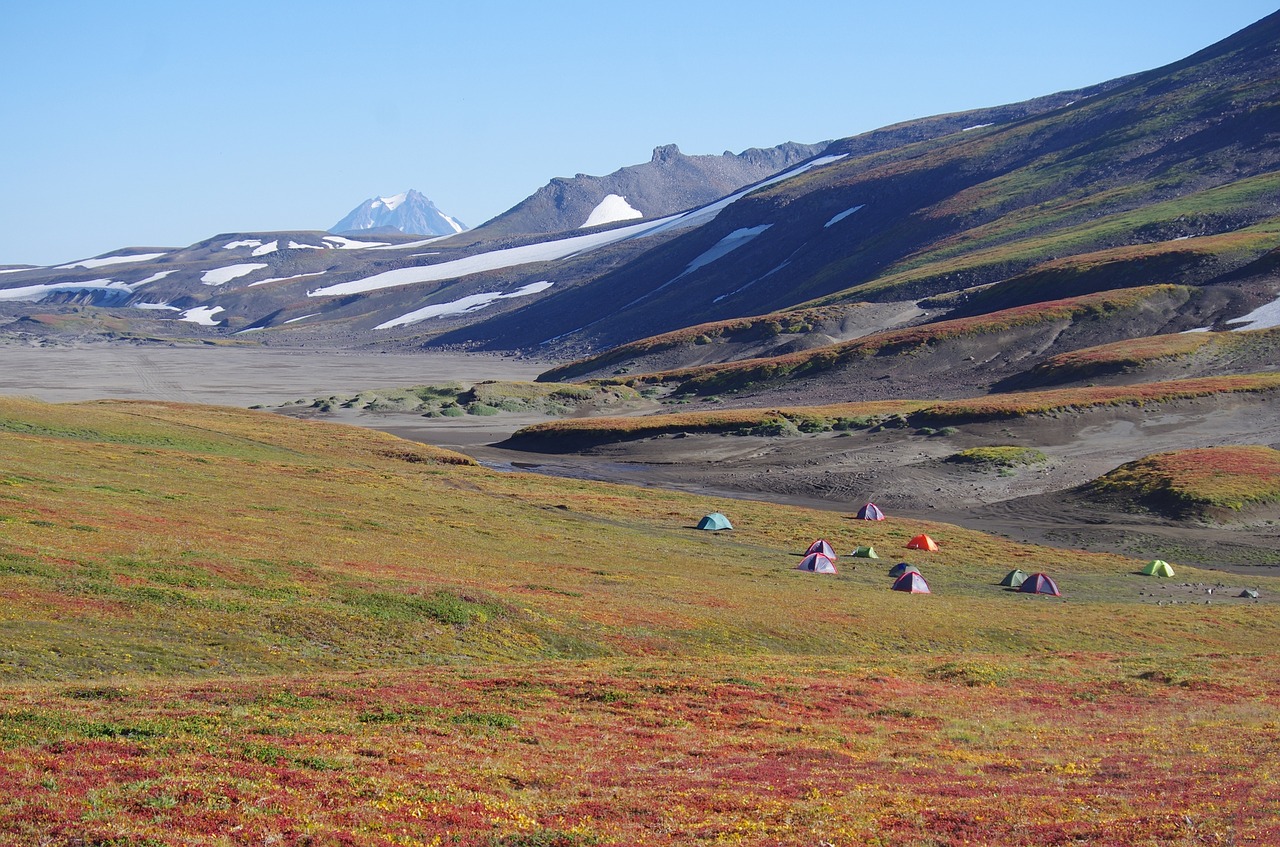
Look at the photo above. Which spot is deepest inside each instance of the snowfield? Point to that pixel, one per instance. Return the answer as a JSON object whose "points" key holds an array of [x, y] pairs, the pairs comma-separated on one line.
{"points": [[284, 278], [471, 303], [611, 209], [221, 276], [337, 241], [202, 315], [153, 278], [111, 260], [1266, 316], [39, 292], [838, 218]]}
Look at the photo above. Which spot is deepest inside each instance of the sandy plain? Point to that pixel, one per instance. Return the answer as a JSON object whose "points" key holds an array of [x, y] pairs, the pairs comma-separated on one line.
{"points": [[905, 473]]}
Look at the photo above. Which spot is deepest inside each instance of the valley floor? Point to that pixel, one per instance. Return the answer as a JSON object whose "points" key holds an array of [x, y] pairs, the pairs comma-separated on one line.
{"points": [[906, 474]]}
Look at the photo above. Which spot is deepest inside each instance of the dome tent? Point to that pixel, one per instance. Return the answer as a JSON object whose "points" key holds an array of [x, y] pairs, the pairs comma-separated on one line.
{"points": [[822, 546], [864, 553], [923, 542], [817, 563], [870, 512], [1013, 578], [1039, 583], [714, 521], [912, 582], [1158, 567], [902, 568]]}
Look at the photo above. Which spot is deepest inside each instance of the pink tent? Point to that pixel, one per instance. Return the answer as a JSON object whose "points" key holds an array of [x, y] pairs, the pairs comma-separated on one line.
{"points": [[821, 546], [1039, 583], [817, 563]]}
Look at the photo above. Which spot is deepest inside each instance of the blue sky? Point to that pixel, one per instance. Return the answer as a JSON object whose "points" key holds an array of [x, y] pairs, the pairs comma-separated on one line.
{"points": [[162, 123]]}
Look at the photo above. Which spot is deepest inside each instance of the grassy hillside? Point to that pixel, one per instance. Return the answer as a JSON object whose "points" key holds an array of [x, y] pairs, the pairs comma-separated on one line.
{"points": [[1200, 482], [1240, 348], [914, 343], [581, 433], [227, 627]]}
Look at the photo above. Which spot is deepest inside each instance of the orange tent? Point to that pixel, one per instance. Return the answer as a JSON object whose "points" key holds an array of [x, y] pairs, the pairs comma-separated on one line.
{"points": [[923, 542]]}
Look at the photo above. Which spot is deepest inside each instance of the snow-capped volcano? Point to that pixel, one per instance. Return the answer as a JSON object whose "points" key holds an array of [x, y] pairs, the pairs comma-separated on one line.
{"points": [[409, 212]]}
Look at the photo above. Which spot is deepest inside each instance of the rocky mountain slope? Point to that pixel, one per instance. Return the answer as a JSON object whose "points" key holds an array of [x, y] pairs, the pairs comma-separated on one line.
{"points": [[669, 182]]}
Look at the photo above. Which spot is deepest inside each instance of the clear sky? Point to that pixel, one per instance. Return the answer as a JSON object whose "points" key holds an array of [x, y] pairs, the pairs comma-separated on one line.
{"points": [[137, 123]]}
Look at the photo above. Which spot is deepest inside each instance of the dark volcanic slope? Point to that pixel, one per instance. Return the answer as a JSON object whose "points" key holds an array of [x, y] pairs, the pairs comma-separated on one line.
{"points": [[1186, 150]]}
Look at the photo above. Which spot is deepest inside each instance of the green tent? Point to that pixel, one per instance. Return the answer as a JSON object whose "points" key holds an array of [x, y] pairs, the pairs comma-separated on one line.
{"points": [[714, 521], [865, 553], [1156, 567], [1014, 578]]}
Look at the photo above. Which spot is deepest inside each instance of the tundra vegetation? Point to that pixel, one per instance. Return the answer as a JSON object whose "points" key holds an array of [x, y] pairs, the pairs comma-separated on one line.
{"points": [[226, 627]]}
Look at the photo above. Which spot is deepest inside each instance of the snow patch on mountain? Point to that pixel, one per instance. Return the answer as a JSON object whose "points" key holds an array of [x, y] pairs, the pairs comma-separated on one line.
{"points": [[157, 307], [546, 251], [340, 243], [221, 276], [613, 208], [1266, 316], [264, 249], [724, 247], [154, 278], [40, 291], [245, 242], [202, 315], [111, 260], [285, 278], [838, 218], [471, 303]]}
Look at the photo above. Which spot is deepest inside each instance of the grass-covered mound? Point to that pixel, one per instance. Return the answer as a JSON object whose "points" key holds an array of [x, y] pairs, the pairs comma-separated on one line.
{"points": [[919, 414], [1202, 481], [228, 627], [999, 457], [913, 341], [1225, 349], [749, 330], [490, 397]]}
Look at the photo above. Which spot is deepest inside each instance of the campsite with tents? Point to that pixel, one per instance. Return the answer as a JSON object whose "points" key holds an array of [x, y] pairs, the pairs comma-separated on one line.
{"points": [[573, 662]]}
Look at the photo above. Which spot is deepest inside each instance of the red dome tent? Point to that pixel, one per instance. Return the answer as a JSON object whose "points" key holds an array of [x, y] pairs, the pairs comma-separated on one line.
{"points": [[1039, 583]]}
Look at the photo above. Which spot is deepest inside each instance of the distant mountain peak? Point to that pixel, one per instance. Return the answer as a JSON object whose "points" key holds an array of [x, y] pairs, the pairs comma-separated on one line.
{"points": [[409, 212]]}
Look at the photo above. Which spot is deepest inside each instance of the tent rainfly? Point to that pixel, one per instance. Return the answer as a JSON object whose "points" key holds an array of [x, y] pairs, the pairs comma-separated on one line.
{"points": [[864, 553], [923, 542], [1157, 567], [913, 582], [870, 512], [1013, 578], [1249, 592], [1039, 583], [714, 521], [902, 568], [821, 546], [817, 563]]}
